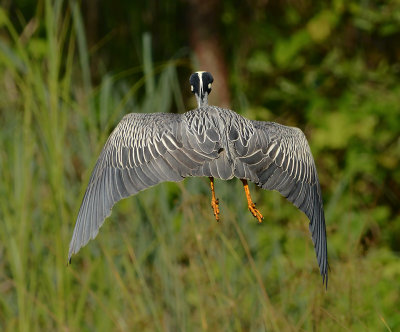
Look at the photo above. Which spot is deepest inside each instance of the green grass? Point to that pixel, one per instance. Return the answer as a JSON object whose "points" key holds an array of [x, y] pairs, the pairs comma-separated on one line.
{"points": [[160, 262]]}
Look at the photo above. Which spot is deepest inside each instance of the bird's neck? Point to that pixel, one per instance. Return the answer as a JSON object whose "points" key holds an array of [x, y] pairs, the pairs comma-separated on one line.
{"points": [[202, 101]]}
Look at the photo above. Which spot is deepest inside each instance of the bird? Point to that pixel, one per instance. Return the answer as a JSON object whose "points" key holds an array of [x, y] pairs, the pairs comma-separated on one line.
{"points": [[146, 149]]}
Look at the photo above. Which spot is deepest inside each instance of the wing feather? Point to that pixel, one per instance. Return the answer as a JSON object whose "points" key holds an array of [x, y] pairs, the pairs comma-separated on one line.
{"points": [[279, 158], [142, 151]]}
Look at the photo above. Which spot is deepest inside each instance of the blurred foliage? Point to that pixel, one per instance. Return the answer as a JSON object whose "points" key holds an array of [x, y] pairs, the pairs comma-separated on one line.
{"points": [[161, 262]]}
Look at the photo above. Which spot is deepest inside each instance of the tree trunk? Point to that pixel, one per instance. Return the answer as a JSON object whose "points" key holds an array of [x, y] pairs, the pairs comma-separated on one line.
{"points": [[205, 40]]}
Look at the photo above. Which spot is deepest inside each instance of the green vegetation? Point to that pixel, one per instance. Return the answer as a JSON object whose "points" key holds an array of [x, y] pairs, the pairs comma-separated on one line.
{"points": [[161, 262]]}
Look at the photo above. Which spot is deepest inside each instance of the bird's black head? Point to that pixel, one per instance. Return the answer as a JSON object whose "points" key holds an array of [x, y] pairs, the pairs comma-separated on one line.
{"points": [[200, 84]]}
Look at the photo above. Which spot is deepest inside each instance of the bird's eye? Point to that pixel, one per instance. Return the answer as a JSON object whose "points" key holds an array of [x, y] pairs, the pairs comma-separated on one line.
{"points": [[191, 88], [209, 85]]}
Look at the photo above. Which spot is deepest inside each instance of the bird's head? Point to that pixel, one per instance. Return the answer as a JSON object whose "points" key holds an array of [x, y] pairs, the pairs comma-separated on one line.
{"points": [[200, 85]]}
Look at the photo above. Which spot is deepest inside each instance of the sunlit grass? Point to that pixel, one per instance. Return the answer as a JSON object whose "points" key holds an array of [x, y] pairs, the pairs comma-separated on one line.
{"points": [[161, 261]]}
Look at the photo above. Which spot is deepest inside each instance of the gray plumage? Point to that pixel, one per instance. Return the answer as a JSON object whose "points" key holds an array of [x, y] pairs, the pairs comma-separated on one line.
{"points": [[146, 149]]}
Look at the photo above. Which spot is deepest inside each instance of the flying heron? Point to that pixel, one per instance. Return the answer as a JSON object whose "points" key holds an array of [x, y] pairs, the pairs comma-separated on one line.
{"points": [[146, 149]]}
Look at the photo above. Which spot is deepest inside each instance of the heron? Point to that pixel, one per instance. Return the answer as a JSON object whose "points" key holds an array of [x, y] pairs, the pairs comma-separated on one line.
{"points": [[146, 149]]}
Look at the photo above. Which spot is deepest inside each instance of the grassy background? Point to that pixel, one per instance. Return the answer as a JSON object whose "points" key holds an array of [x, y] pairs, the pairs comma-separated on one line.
{"points": [[161, 262]]}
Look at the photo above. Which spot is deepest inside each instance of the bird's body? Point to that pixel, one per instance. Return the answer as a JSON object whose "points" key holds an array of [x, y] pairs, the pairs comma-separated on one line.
{"points": [[146, 149]]}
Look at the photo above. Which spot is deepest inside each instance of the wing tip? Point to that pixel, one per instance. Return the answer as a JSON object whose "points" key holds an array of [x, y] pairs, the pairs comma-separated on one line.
{"points": [[324, 274], [71, 252], [69, 261], [325, 279]]}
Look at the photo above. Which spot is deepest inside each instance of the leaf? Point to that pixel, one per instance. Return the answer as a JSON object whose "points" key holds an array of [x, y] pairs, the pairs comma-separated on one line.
{"points": [[321, 25], [3, 17], [259, 63], [287, 49], [37, 47]]}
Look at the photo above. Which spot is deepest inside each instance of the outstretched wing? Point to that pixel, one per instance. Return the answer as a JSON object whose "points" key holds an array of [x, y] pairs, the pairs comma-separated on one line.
{"points": [[276, 157], [142, 151]]}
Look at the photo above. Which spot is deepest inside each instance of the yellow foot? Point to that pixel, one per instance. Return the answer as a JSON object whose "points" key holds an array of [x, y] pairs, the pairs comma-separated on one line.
{"points": [[214, 204], [257, 214]]}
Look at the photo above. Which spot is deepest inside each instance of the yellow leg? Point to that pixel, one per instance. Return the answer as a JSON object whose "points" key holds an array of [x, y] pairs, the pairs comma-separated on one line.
{"points": [[214, 201], [250, 204]]}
